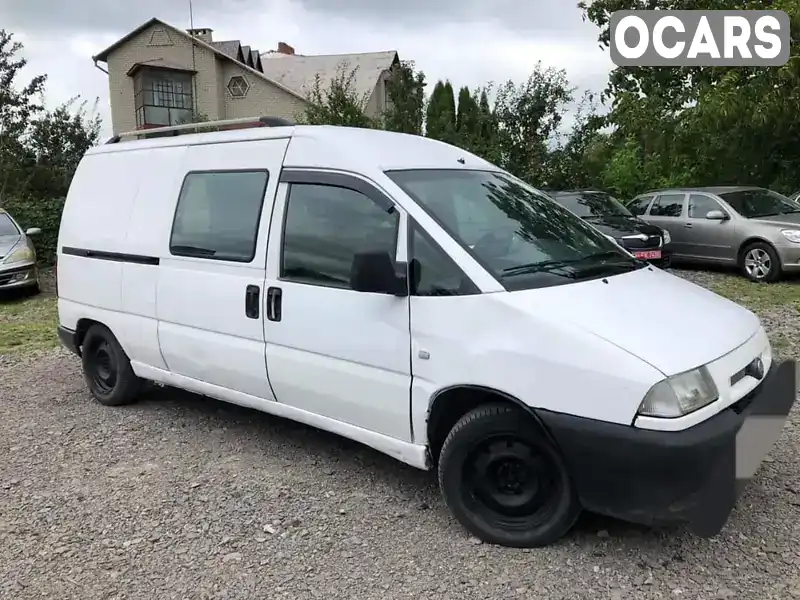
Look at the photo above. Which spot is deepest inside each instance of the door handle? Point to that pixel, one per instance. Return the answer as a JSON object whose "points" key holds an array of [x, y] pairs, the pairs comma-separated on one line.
{"points": [[687, 225], [274, 296], [251, 301]]}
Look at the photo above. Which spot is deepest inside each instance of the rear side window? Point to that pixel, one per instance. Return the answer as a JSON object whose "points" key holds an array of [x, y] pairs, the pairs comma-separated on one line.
{"points": [[326, 226], [217, 215], [667, 205], [638, 206]]}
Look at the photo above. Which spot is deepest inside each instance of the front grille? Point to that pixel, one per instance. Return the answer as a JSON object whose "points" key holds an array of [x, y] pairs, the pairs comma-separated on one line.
{"points": [[652, 242], [7, 275]]}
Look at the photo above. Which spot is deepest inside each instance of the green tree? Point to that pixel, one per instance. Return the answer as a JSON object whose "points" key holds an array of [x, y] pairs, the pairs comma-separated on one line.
{"points": [[487, 144], [468, 120], [706, 125], [440, 119], [406, 93], [338, 103], [19, 102], [528, 116], [39, 149]]}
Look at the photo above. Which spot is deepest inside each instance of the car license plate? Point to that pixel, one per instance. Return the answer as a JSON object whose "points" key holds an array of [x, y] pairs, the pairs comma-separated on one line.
{"points": [[648, 254]]}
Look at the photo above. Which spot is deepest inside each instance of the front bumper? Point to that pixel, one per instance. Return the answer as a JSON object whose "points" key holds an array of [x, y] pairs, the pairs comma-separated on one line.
{"points": [[666, 255], [18, 276], [790, 258], [692, 476]]}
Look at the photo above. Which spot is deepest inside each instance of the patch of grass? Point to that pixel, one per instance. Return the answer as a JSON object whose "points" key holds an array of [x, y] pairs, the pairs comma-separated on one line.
{"points": [[758, 296], [28, 324]]}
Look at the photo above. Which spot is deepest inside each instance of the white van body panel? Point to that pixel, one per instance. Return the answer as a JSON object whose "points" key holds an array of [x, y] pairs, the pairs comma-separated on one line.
{"points": [[548, 363], [687, 325], [338, 353], [203, 330], [367, 366]]}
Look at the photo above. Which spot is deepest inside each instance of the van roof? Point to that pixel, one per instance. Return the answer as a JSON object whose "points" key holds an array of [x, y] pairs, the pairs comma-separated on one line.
{"points": [[350, 148]]}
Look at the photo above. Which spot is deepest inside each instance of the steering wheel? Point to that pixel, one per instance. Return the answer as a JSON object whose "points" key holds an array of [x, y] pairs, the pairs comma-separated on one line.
{"points": [[497, 242]]}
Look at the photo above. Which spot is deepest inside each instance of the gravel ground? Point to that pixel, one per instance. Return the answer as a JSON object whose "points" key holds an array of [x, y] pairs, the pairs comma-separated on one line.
{"points": [[180, 497]]}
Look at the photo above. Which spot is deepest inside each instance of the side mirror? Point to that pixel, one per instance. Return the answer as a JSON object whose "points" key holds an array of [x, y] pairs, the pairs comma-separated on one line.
{"points": [[375, 272], [716, 215], [33, 231]]}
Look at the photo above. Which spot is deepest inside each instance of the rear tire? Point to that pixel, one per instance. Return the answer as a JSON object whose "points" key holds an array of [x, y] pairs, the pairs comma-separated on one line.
{"points": [[107, 369], [504, 481], [760, 263]]}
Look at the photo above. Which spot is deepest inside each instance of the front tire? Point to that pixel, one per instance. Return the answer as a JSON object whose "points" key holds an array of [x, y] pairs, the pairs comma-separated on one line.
{"points": [[504, 481], [107, 369], [760, 263]]}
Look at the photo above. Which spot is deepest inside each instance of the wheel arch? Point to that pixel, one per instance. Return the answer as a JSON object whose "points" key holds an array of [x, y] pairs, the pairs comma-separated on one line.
{"points": [[451, 403], [750, 240], [82, 327]]}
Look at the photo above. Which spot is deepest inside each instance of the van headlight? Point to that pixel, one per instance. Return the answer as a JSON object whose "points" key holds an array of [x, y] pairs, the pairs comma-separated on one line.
{"points": [[679, 395], [666, 237], [21, 254]]}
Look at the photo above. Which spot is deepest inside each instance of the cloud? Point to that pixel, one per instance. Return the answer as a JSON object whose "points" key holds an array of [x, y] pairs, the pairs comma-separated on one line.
{"points": [[470, 42]]}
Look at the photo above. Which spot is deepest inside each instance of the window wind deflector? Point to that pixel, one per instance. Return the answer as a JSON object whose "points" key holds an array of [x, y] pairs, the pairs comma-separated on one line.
{"points": [[193, 250]]}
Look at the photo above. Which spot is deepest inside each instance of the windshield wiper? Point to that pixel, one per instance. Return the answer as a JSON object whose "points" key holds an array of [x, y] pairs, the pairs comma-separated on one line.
{"points": [[194, 250], [556, 267]]}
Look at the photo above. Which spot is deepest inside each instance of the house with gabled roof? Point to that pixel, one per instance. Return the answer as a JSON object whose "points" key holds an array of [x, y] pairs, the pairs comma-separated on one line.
{"points": [[161, 75]]}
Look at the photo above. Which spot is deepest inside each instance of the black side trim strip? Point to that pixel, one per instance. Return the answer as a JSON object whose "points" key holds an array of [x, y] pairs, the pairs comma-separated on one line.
{"points": [[138, 259], [316, 177]]}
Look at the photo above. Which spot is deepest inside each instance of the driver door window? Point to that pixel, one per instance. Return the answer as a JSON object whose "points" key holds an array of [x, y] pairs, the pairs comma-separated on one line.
{"points": [[326, 226], [432, 272], [700, 205]]}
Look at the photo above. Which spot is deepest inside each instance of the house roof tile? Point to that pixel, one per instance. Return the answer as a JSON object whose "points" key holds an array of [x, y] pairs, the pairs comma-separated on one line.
{"points": [[298, 72]]}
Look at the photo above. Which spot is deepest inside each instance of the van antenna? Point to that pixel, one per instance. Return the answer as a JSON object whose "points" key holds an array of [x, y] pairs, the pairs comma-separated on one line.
{"points": [[194, 63]]}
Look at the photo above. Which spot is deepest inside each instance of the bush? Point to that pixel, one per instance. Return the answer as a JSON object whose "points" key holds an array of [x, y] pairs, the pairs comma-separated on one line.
{"points": [[44, 213]]}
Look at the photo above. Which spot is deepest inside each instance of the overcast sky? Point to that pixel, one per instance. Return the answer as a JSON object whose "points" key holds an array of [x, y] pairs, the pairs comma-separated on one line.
{"points": [[470, 42]]}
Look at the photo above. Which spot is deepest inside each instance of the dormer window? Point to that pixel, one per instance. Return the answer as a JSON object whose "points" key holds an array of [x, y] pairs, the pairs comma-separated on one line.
{"points": [[162, 97]]}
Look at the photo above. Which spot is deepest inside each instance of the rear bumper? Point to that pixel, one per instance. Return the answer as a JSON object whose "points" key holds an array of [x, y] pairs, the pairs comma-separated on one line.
{"points": [[18, 276], [692, 476]]}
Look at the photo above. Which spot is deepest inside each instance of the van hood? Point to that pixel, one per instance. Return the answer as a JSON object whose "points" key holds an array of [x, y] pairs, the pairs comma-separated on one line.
{"points": [[7, 242], [668, 322]]}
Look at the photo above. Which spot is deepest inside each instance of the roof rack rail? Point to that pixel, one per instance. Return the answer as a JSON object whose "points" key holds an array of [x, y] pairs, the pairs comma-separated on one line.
{"points": [[193, 127]]}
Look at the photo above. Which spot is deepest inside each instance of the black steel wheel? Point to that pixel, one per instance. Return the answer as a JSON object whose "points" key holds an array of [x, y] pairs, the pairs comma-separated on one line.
{"points": [[107, 369], [504, 481]]}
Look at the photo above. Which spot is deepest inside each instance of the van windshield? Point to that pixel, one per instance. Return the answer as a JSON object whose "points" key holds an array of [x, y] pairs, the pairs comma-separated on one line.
{"points": [[523, 237]]}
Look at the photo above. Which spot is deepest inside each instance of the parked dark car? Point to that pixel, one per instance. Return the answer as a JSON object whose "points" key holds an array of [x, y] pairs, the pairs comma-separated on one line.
{"points": [[611, 217]]}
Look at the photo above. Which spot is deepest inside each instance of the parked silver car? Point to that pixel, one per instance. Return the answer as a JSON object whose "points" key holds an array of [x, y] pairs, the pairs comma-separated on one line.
{"points": [[754, 228], [17, 255]]}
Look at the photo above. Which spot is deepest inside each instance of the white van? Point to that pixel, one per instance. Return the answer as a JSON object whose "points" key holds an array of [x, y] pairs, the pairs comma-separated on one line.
{"points": [[413, 297]]}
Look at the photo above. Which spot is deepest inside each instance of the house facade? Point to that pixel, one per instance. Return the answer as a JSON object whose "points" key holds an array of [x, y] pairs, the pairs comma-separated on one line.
{"points": [[161, 75]]}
